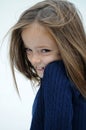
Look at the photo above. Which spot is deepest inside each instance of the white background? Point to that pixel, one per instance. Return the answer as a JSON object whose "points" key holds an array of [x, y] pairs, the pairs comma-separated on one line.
{"points": [[15, 114]]}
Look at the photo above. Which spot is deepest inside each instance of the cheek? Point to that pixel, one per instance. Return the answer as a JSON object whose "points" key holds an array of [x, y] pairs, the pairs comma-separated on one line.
{"points": [[49, 59], [29, 59]]}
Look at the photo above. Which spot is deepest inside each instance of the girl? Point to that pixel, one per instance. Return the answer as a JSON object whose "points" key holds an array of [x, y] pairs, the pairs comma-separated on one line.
{"points": [[48, 45]]}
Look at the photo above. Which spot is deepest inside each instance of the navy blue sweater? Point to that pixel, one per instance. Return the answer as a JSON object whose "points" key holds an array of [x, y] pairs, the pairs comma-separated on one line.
{"points": [[58, 104]]}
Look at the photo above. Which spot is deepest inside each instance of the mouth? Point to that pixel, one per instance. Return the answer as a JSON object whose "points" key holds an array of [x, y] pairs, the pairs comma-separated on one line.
{"points": [[40, 69]]}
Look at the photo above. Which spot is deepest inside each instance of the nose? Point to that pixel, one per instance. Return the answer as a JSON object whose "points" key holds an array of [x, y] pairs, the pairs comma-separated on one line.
{"points": [[35, 59]]}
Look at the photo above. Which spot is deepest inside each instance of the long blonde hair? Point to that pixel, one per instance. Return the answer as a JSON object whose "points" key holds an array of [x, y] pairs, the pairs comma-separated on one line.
{"points": [[63, 21]]}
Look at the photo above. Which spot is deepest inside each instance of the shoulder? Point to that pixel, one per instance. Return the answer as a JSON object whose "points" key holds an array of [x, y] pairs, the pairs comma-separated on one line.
{"points": [[55, 75], [55, 70], [55, 83], [55, 65]]}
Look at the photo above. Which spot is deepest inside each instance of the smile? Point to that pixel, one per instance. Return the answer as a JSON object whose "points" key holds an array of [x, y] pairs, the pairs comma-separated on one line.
{"points": [[40, 69]]}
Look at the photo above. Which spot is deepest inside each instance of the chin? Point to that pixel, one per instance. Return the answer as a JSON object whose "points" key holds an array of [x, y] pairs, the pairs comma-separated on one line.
{"points": [[40, 75]]}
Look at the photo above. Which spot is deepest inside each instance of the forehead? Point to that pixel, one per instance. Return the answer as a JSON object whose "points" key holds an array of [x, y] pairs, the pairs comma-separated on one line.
{"points": [[37, 34], [35, 30]]}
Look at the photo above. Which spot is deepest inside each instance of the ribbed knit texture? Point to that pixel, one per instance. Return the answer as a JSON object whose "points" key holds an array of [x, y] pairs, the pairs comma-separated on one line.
{"points": [[58, 104]]}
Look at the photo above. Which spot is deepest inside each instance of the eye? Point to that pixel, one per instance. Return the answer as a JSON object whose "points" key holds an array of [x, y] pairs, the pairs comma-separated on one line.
{"points": [[28, 51], [45, 50]]}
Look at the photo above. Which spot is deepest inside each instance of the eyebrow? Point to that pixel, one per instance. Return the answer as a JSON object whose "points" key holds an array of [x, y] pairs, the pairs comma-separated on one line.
{"points": [[43, 47], [39, 47]]}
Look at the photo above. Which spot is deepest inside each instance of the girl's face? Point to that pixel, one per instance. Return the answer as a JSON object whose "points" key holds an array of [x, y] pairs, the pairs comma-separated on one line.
{"points": [[41, 48]]}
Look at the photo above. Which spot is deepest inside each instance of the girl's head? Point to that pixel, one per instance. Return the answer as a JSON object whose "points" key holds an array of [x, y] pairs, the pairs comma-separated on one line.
{"points": [[48, 31], [40, 47]]}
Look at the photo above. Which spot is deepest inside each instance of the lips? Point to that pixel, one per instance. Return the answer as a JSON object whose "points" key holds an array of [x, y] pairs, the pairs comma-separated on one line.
{"points": [[40, 68], [40, 71]]}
